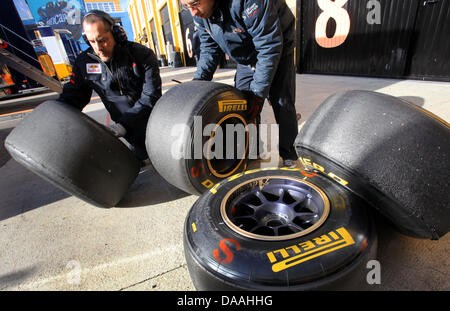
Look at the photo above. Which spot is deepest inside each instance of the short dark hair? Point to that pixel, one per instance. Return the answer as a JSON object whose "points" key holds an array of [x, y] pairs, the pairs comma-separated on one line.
{"points": [[95, 16]]}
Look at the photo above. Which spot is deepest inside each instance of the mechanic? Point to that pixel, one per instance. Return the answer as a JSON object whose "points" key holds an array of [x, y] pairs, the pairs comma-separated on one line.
{"points": [[259, 35], [124, 74]]}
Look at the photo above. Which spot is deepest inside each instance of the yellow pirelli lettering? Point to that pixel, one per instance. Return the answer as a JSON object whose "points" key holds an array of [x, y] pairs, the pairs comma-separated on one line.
{"points": [[322, 240], [236, 176], [194, 227], [269, 168], [208, 183], [289, 169], [310, 249], [338, 179], [307, 245], [272, 257], [232, 105], [252, 171], [213, 190], [294, 248], [309, 162], [305, 161], [334, 235], [318, 167]]}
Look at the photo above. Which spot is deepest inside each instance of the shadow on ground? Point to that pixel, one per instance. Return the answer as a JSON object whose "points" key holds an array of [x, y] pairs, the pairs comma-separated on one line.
{"points": [[150, 188], [15, 278]]}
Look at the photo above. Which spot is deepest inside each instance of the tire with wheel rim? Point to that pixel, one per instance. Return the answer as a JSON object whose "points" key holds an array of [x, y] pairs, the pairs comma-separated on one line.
{"points": [[278, 229], [183, 140]]}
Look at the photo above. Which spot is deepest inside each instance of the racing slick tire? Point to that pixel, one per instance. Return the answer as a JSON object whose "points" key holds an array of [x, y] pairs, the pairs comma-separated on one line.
{"points": [[279, 229], [182, 137], [390, 152], [74, 152]]}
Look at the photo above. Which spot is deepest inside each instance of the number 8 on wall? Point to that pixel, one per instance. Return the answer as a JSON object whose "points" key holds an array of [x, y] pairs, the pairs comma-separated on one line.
{"points": [[332, 9]]}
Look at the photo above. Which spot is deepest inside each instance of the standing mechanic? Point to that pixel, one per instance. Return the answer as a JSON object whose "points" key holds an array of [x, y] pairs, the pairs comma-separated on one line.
{"points": [[259, 35], [124, 74]]}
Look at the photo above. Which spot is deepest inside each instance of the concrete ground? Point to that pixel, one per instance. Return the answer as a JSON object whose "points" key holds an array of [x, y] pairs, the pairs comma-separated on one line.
{"points": [[50, 240]]}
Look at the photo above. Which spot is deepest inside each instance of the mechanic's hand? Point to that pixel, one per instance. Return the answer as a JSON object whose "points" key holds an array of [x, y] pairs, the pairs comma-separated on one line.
{"points": [[254, 104], [117, 129]]}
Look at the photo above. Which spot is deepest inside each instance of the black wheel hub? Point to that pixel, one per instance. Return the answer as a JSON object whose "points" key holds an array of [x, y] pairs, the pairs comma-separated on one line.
{"points": [[275, 208]]}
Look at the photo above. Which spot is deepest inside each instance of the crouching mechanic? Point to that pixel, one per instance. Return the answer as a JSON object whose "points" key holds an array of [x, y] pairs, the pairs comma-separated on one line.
{"points": [[259, 35], [124, 74]]}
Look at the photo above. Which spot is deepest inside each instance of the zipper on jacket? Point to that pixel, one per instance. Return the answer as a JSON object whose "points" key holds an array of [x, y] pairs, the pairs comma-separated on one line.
{"points": [[117, 76]]}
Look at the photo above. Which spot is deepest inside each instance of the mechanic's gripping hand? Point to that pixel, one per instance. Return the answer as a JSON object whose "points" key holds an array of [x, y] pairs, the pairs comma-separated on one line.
{"points": [[254, 104], [117, 130]]}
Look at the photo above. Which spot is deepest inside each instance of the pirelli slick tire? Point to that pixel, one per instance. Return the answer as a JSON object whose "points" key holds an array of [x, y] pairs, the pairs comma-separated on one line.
{"points": [[279, 229], [390, 152], [182, 135], [74, 152]]}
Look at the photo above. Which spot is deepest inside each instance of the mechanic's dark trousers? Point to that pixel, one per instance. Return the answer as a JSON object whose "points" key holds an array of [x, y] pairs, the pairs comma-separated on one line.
{"points": [[282, 99], [137, 142]]}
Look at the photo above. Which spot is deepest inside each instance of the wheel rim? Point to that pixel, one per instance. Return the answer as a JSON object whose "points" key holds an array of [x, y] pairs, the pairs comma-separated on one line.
{"points": [[223, 168], [275, 208]]}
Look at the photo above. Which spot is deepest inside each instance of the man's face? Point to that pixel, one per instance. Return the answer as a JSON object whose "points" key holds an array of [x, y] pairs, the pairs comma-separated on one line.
{"points": [[100, 38], [200, 8]]}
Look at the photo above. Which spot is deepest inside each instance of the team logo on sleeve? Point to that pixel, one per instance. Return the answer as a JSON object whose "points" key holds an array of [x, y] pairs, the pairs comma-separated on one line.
{"points": [[252, 10], [93, 68]]}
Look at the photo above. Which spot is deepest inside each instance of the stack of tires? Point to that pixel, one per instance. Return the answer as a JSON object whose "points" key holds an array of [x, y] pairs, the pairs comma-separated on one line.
{"points": [[77, 154], [294, 229], [266, 229]]}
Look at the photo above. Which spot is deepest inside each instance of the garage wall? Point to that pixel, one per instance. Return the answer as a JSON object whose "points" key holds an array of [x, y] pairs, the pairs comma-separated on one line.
{"points": [[377, 38]]}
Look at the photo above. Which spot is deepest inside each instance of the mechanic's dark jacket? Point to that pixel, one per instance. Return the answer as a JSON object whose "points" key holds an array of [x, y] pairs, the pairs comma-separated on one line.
{"points": [[251, 32], [129, 88]]}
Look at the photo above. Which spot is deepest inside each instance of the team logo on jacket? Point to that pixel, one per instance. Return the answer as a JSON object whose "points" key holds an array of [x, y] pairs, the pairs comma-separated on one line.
{"points": [[252, 10], [93, 68]]}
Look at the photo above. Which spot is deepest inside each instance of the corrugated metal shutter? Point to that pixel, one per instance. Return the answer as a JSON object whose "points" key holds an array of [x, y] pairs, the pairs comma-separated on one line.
{"points": [[377, 38], [430, 51]]}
